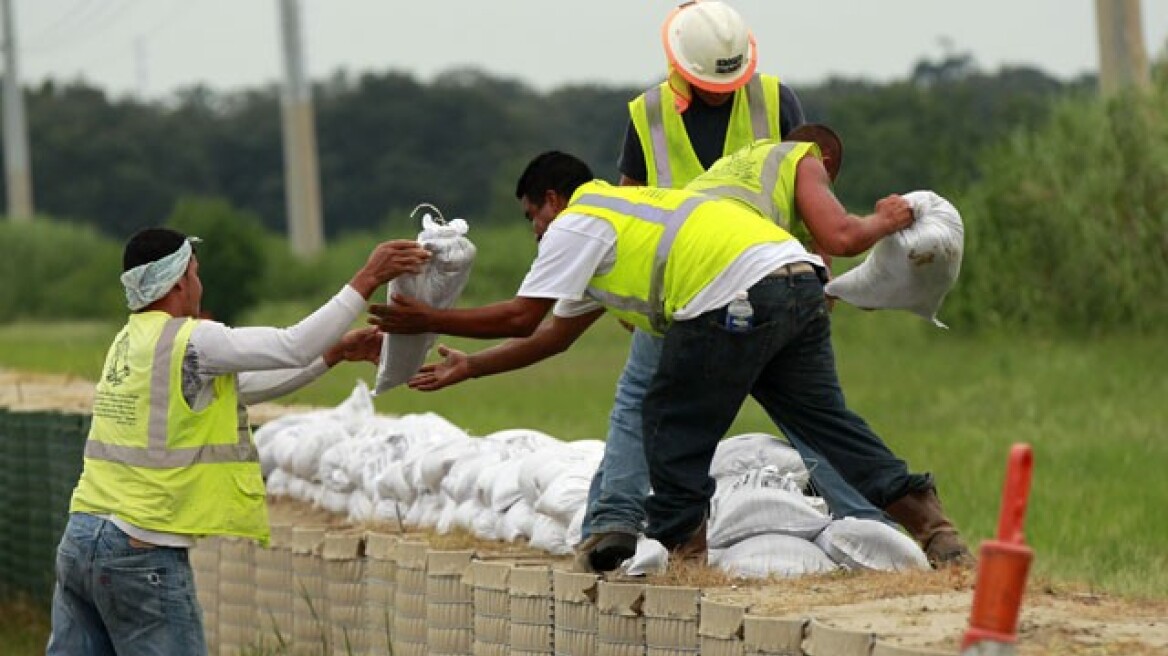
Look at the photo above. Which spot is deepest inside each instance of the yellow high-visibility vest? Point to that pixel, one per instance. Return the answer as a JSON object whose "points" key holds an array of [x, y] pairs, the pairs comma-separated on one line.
{"points": [[670, 160], [670, 245], [156, 463], [762, 176]]}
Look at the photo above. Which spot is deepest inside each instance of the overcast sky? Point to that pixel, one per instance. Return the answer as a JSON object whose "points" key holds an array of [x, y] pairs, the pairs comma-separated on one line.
{"points": [[151, 47]]}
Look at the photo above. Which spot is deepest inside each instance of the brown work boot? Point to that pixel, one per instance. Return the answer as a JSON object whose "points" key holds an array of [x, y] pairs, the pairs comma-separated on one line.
{"points": [[920, 512], [581, 562], [694, 550], [604, 552]]}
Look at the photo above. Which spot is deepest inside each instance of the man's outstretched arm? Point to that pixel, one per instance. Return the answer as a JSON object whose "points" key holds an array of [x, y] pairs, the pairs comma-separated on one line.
{"points": [[518, 317], [553, 337]]}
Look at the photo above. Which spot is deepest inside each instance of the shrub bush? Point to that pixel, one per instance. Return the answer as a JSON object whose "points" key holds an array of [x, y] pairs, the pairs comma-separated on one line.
{"points": [[53, 269], [1068, 229]]}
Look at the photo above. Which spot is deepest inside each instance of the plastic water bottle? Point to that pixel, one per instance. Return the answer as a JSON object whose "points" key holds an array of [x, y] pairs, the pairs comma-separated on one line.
{"points": [[739, 314]]}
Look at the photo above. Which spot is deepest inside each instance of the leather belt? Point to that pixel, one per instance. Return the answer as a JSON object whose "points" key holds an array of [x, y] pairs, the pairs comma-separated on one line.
{"points": [[792, 269]]}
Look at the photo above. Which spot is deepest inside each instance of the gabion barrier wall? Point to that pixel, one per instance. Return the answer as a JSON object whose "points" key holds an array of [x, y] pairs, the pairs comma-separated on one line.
{"points": [[372, 593], [40, 460]]}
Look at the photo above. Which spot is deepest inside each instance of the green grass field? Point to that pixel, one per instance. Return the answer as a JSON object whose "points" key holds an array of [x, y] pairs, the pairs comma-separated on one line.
{"points": [[1093, 410]]}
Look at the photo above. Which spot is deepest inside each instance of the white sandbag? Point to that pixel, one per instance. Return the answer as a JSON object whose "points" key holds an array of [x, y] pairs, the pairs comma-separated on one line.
{"points": [[745, 513], [461, 483], [523, 439], [651, 557], [866, 544], [360, 508], [539, 468], [567, 494], [273, 446], [446, 519], [766, 476], [311, 439], [425, 511], [517, 522], [333, 501], [499, 485], [296, 488], [434, 463], [465, 513], [277, 483], [912, 269], [763, 556], [392, 484], [548, 535], [739, 454], [342, 465], [485, 525], [355, 410], [439, 285], [574, 534]]}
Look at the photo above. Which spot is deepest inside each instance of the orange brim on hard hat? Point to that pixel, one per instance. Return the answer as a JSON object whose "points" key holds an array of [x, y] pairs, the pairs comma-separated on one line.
{"points": [[703, 82]]}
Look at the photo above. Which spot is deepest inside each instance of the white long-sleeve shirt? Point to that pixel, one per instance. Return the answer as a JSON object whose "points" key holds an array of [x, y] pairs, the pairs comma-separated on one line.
{"points": [[270, 361]]}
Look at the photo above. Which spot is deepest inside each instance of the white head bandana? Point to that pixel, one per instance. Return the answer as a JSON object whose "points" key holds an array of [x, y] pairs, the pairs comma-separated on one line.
{"points": [[149, 282]]}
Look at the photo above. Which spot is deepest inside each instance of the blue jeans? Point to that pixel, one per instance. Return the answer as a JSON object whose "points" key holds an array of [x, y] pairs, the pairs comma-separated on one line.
{"points": [[616, 498], [112, 597], [787, 364]]}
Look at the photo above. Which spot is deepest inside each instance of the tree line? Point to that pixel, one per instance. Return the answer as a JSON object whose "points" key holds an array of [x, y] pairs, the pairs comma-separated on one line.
{"points": [[1061, 192], [387, 141]]}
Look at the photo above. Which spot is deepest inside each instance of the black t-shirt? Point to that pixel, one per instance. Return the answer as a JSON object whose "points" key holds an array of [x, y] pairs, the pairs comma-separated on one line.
{"points": [[706, 126]]}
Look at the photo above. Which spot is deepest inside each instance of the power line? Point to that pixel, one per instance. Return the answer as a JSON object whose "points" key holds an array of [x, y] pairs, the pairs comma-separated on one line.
{"points": [[91, 25]]}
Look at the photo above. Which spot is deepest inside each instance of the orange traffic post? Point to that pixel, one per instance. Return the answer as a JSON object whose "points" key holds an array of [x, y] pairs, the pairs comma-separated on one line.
{"points": [[1002, 567]]}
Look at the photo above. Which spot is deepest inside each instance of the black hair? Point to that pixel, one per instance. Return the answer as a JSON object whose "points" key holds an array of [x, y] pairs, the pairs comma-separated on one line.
{"points": [[554, 171], [151, 245], [829, 142]]}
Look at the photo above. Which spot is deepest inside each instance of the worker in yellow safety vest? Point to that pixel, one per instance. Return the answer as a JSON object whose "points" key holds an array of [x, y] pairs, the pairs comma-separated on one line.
{"points": [[712, 103], [170, 458], [739, 305]]}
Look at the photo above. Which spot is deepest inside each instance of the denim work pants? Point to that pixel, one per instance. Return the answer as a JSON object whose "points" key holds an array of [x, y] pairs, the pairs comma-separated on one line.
{"points": [[616, 498], [785, 361], [115, 598]]}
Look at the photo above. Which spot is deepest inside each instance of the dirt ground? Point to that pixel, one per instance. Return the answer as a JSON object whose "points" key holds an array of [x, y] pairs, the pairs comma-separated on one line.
{"points": [[27, 391], [927, 609]]}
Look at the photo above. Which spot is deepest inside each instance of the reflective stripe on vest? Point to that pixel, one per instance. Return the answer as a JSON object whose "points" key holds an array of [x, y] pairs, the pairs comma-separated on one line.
{"points": [[157, 455], [759, 125], [764, 199], [671, 221]]}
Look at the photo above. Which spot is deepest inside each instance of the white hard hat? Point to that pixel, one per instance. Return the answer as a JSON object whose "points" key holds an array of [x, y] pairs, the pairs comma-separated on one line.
{"points": [[708, 43]]}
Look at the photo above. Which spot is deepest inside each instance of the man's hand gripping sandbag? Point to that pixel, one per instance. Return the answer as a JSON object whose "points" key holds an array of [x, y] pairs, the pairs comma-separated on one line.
{"points": [[911, 269], [439, 285]]}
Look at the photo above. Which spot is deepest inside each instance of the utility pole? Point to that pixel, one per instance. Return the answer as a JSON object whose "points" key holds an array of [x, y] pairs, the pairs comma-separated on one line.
{"points": [[17, 174], [141, 65], [301, 176], [1123, 61]]}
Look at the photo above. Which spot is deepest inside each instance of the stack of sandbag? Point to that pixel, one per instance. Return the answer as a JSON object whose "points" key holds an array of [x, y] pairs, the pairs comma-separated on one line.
{"points": [[439, 285], [423, 472], [739, 462], [912, 269], [762, 525]]}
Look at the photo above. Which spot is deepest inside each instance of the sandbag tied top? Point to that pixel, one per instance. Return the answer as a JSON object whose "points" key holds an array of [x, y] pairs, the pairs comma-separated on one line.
{"points": [[439, 284]]}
